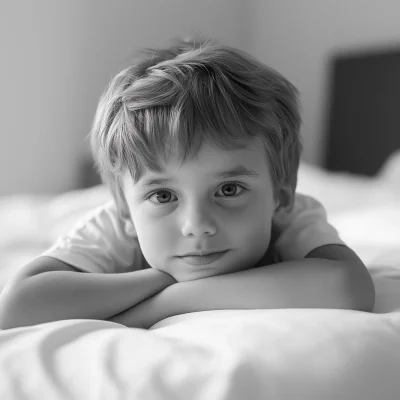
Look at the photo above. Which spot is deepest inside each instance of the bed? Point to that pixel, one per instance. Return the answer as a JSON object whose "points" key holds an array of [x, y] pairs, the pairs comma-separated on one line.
{"points": [[216, 355]]}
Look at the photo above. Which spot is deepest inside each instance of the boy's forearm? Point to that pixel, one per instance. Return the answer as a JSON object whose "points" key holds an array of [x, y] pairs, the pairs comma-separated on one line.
{"points": [[309, 283], [58, 295]]}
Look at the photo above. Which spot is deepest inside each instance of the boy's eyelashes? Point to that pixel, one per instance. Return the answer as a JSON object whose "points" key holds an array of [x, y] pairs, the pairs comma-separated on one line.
{"points": [[165, 196]]}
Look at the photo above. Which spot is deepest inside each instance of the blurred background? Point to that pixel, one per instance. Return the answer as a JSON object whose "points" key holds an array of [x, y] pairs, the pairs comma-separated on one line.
{"points": [[58, 56]]}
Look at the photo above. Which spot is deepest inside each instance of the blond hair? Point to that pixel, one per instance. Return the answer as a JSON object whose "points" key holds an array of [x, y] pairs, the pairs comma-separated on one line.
{"points": [[166, 95]]}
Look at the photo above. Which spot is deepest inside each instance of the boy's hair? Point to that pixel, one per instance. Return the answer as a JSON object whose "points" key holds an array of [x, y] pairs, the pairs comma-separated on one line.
{"points": [[163, 98]]}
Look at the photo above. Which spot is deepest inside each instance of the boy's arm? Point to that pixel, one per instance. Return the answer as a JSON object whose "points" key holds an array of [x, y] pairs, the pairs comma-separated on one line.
{"points": [[48, 289], [329, 277]]}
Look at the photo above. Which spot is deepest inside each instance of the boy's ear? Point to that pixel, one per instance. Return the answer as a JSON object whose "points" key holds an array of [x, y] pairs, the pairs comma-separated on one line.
{"points": [[284, 203], [284, 199]]}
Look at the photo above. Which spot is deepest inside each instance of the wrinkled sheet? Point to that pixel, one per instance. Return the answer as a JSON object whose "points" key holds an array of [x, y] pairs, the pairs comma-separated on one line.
{"points": [[234, 355]]}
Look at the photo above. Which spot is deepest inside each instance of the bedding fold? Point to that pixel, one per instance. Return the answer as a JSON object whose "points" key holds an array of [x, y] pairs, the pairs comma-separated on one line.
{"points": [[231, 354]]}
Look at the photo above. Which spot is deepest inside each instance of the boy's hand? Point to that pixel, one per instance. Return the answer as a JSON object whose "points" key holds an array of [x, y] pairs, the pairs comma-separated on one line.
{"points": [[148, 312], [143, 315]]}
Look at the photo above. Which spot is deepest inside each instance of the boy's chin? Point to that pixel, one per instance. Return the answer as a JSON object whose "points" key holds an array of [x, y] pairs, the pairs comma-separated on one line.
{"points": [[202, 273], [196, 275]]}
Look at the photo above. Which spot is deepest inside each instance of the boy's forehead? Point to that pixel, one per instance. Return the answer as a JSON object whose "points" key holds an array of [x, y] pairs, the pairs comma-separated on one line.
{"points": [[208, 149], [213, 161], [211, 155]]}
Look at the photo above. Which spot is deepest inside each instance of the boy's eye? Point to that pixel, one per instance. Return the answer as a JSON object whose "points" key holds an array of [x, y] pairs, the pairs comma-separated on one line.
{"points": [[164, 196], [231, 190], [161, 197]]}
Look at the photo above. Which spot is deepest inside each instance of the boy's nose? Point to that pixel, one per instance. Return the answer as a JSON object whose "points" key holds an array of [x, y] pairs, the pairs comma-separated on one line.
{"points": [[197, 221]]}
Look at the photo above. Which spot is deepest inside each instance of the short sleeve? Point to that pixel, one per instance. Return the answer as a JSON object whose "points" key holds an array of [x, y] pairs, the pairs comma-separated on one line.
{"points": [[306, 229], [101, 242]]}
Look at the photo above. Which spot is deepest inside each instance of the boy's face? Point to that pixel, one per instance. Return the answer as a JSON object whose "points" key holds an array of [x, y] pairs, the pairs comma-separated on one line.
{"points": [[205, 206]]}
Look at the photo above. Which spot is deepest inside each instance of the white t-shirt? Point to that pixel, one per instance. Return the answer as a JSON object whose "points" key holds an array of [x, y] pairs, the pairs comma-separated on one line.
{"points": [[104, 242]]}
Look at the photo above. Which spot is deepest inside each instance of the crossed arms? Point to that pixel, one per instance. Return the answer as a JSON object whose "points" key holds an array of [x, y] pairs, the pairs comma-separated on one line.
{"points": [[48, 290], [330, 277]]}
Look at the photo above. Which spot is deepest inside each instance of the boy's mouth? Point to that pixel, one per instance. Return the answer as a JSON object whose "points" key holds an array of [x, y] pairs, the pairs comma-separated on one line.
{"points": [[202, 258], [202, 253]]}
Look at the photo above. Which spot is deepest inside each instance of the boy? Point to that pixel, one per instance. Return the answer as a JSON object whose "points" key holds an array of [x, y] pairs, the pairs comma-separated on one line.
{"points": [[199, 144]]}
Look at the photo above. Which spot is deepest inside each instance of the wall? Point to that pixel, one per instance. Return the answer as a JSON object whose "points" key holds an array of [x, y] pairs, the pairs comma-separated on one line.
{"points": [[58, 57], [297, 38]]}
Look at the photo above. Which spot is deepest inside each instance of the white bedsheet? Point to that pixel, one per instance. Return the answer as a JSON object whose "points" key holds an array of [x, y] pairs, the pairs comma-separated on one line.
{"points": [[216, 355], [233, 355]]}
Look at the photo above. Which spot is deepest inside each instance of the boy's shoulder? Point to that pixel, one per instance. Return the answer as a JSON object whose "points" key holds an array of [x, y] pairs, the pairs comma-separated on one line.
{"points": [[305, 201], [101, 241], [305, 208], [105, 218], [303, 229]]}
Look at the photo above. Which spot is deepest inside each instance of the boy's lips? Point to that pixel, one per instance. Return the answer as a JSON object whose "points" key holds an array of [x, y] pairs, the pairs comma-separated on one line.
{"points": [[202, 258], [202, 253]]}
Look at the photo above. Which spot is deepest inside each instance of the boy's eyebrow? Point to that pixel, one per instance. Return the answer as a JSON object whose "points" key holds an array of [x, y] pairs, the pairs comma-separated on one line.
{"points": [[240, 170], [235, 172]]}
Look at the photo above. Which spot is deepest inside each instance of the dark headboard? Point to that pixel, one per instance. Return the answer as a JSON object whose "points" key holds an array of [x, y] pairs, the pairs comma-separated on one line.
{"points": [[363, 124]]}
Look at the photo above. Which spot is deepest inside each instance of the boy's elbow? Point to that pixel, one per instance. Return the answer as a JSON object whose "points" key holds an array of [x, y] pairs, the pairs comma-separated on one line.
{"points": [[360, 288], [10, 317], [5, 314], [365, 297]]}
